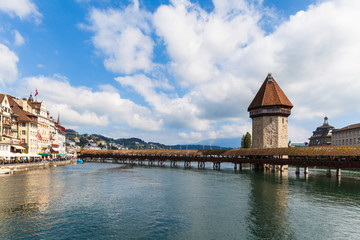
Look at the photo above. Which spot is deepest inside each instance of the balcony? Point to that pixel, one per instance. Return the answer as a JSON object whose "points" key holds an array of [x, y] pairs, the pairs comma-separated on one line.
{"points": [[5, 122], [270, 111]]}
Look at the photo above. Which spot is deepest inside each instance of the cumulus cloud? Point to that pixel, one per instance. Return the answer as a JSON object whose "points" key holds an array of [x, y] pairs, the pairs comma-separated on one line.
{"points": [[177, 112], [8, 65], [83, 106], [19, 40], [217, 61], [122, 37], [21, 8]]}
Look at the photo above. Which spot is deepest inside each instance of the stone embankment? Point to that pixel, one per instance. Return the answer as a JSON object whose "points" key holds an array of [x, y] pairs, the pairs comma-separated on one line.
{"points": [[11, 168]]}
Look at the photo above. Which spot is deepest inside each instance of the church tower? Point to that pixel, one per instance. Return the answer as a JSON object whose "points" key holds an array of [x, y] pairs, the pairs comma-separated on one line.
{"points": [[269, 112]]}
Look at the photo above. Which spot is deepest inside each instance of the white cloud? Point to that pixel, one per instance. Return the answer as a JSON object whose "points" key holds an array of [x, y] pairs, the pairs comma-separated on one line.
{"points": [[21, 8], [177, 112], [19, 40], [220, 58], [8, 65], [121, 35], [82, 106]]}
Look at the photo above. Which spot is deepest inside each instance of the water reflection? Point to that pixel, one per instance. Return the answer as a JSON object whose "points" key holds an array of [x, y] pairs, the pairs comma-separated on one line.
{"points": [[114, 202], [268, 202], [25, 196]]}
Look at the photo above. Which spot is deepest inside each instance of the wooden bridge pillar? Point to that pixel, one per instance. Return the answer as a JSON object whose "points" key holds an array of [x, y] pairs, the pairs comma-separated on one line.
{"points": [[240, 166], [201, 165], [173, 163], [235, 166], [328, 172], [306, 170], [273, 168], [338, 172], [297, 171], [187, 164], [216, 165]]}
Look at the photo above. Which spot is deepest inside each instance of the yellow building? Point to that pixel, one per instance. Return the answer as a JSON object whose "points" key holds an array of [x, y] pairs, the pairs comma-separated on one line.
{"points": [[27, 125]]}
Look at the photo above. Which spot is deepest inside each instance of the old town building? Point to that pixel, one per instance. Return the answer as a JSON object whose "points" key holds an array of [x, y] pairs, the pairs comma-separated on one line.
{"points": [[43, 135], [349, 135], [269, 112], [26, 127], [322, 135]]}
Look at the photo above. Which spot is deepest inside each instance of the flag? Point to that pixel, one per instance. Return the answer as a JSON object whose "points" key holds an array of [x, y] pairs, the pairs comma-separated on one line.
{"points": [[36, 93], [38, 136]]}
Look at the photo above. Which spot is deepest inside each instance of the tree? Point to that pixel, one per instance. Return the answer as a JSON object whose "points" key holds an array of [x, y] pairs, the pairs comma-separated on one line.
{"points": [[246, 140]]}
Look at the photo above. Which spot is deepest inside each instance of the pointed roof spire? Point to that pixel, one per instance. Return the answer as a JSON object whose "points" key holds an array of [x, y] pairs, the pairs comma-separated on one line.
{"points": [[58, 120], [269, 94]]}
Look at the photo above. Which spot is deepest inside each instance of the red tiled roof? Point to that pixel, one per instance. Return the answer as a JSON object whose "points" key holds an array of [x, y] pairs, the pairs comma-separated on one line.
{"points": [[269, 94], [353, 126], [21, 113]]}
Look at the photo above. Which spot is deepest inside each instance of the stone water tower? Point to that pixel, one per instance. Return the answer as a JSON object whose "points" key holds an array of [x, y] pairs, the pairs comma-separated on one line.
{"points": [[269, 112]]}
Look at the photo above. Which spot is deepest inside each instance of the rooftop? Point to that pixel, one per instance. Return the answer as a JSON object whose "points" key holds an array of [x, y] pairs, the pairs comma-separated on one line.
{"points": [[350, 127], [270, 94]]}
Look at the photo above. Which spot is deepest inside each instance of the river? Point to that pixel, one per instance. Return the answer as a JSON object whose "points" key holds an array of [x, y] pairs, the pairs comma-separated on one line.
{"points": [[113, 201]]}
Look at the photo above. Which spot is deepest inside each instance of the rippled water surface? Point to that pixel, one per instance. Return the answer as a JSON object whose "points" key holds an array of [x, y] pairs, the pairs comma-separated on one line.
{"points": [[111, 201]]}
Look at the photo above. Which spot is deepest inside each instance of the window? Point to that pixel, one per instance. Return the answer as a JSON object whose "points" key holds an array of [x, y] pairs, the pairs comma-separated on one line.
{"points": [[23, 124], [23, 132], [270, 120], [283, 121]]}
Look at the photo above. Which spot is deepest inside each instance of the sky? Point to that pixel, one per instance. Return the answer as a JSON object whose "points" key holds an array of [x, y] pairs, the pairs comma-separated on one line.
{"points": [[182, 71]]}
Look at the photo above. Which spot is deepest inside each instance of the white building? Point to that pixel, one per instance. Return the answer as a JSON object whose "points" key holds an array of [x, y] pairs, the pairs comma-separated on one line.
{"points": [[349, 135]]}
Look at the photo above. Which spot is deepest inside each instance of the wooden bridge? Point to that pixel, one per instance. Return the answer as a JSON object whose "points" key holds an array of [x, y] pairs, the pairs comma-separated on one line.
{"points": [[330, 157]]}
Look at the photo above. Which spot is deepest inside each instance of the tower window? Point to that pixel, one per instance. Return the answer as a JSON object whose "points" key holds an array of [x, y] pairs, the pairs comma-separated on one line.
{"points": [[270, 120], [283, 121]]}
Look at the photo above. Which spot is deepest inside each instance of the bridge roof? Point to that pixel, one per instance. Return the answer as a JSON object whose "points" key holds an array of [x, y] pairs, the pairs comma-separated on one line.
{"points": [[322, 151]]}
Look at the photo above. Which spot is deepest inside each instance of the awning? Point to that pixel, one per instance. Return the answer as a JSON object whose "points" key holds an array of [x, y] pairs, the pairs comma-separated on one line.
{"points": [[44, 154], [18, 147], [61, 155]]}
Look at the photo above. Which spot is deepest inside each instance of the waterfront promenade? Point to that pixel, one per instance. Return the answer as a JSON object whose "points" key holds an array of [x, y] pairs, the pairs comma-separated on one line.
{"points": [[11, 168]]}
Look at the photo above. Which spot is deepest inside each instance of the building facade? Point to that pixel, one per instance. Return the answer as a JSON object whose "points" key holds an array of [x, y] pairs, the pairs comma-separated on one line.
{"points": [[322, 135], [349, 135], [269, 112], [43, 135], [26, 127]]}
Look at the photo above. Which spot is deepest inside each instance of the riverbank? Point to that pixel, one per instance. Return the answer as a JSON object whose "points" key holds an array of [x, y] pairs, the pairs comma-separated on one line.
{"points": [[11, 168]]}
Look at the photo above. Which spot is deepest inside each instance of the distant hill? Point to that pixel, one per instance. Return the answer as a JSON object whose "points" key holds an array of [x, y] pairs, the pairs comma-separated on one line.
{"points": [[137, 143]]}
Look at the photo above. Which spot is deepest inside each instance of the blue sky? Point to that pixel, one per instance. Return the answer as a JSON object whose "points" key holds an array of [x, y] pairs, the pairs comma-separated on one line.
{"points": [[181, 71]]}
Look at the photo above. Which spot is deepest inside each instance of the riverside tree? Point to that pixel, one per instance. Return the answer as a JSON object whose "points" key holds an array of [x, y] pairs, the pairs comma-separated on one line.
{"points": [[246, 140]]}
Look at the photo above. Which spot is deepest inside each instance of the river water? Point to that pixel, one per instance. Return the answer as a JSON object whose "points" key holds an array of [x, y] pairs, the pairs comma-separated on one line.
{"points": [[113, 201]]}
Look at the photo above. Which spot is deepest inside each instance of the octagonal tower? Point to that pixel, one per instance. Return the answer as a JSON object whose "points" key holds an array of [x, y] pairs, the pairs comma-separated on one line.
{"points": [[269, 112]]}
